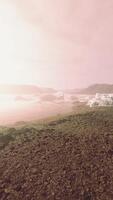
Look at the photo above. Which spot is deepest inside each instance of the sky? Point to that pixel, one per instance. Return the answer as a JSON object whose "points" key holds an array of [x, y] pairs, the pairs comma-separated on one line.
{"points": [[59, 44]]}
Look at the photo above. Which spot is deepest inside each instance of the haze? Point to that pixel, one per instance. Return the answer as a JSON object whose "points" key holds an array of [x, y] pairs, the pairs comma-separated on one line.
{"points": [[60, 43]]}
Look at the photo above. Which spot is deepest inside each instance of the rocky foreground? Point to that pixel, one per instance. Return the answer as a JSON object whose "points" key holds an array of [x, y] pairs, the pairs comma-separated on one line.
{"points": [[68, 159]]}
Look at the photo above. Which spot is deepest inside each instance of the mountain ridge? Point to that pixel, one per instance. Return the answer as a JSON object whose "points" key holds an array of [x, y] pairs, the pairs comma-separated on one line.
{"points": [[24, 89], [93, 89]]}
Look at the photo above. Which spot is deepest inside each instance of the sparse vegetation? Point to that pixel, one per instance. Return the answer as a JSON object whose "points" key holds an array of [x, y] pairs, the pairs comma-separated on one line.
{"points": [[68, 158]]}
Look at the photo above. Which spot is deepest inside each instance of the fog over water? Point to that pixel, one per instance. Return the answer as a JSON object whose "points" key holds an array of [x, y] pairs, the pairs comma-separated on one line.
{"points": [[28, 107]]}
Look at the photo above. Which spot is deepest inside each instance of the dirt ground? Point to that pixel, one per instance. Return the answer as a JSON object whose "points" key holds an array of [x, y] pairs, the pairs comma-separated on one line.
{"points": [[53, 165]]}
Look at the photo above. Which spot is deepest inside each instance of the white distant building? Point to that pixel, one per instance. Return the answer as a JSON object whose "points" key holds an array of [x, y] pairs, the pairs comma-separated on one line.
{"points": [[101, 100]]}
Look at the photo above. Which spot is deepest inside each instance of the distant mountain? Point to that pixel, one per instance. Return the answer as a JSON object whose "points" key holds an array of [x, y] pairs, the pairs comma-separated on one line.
{"points": [[36, 90], [98, 88], [72, 91], [48, 90], [24, 89], [93, 89]]}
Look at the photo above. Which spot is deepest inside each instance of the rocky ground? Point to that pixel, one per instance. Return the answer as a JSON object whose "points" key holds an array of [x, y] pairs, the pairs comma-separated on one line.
{"points": [[68, 159]]}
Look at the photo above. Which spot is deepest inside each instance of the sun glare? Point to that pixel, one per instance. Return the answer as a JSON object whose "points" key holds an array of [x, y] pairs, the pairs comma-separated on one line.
{"points": [[5, 101], [14, 45]]}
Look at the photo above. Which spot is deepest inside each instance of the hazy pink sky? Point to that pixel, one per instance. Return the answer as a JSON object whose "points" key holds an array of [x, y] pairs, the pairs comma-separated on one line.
{"points": [[57, 43]]}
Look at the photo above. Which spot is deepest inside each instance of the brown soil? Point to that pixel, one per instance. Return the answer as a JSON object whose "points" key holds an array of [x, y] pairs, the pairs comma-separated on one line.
{"points": [[56, 166]]}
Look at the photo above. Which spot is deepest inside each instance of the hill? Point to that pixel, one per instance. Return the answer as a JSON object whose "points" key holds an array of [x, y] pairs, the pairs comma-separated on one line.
{"points": [[98, 88], [24, 89], [68, 158], [93, 89]]}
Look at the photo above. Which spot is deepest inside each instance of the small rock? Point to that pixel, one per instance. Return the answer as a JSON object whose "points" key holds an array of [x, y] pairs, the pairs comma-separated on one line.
{"points": [[34, 170]]}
